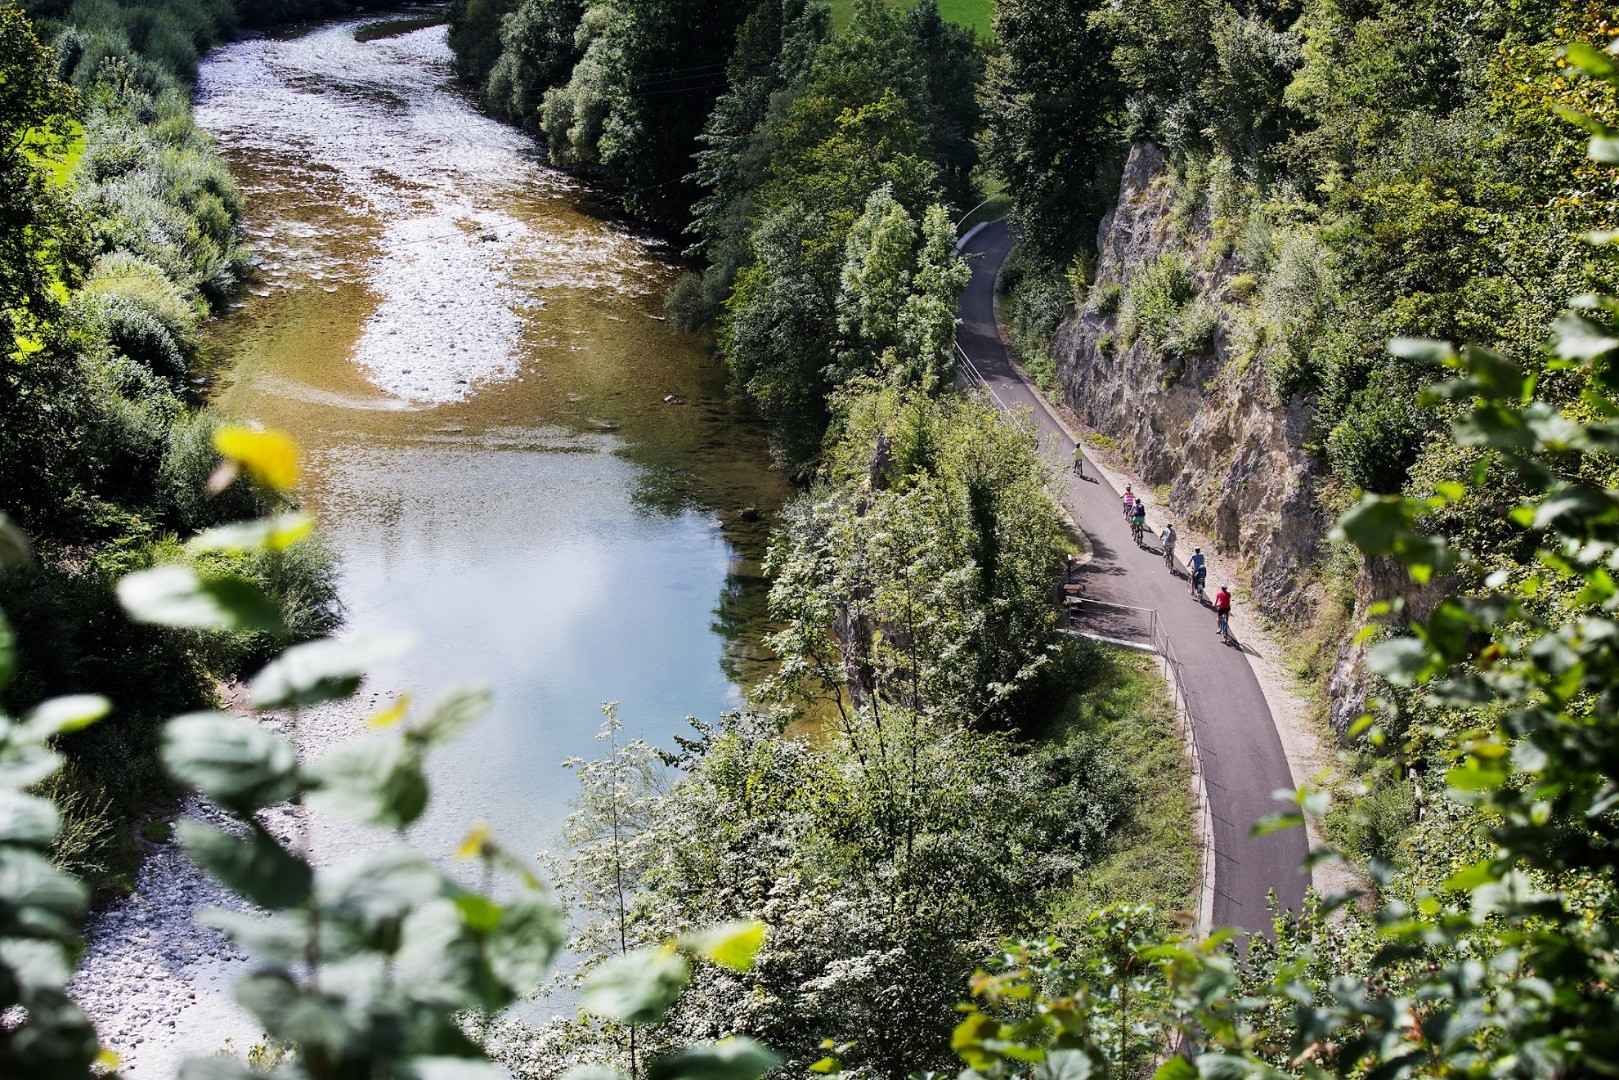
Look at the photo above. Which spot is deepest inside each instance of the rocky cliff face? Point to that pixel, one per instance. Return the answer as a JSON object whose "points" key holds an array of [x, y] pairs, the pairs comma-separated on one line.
{"points": [[1206, 426]]}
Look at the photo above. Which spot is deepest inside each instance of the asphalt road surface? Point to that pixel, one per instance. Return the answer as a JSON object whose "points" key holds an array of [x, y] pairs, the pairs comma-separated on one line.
{"points": [[1243, 760]]}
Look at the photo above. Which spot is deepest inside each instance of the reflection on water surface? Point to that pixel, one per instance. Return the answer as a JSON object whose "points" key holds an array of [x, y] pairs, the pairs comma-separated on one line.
{"points": [[478, 372]]}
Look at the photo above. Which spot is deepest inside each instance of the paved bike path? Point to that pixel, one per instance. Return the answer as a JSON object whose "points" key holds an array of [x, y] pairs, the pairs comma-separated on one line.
{"points": [[1243, 759]]}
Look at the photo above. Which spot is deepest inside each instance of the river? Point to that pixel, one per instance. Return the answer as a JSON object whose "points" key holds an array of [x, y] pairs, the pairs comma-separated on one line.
{"points": [[513, 453]]}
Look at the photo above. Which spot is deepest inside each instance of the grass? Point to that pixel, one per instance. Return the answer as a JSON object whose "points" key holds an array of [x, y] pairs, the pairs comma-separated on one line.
{"points": [[1120, 699], [974, 14]]}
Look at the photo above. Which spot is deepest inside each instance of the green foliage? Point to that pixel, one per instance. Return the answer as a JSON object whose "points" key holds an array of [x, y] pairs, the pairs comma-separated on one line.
{"points": [[850, 133], [102, 456], [1035, 301], [1050, 99], [46, 1035], [646, 78], [1162, 311], [897, 298], [534, 51], [1492, 955], [378, 964], [928, 556], [1207, 77]]}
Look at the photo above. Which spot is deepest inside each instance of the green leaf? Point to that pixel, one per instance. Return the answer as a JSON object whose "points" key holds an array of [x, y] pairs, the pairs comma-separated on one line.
{"points": [[520, 949], [636, 988], [1475, 776], [379, 887], [1176, 1068], [452, 714], [14, 548], [232, 759], [264, 534], [323, 670], [1575, 337], [1376, 524], [1493, 375], [267, 937], [1469, 878], [1423, 350], [1066, 1065], [26, 819], [290, 1014], [1275, 823], [379, 781], [36, 899], [1401, 661], [736, 1058], [176, 595], [64, 714], [1591, 60], [253, 865], [731, 945]]}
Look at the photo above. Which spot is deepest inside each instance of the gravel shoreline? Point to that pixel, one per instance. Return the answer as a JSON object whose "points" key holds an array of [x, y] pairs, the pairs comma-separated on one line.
{"points": [[155, 983]]}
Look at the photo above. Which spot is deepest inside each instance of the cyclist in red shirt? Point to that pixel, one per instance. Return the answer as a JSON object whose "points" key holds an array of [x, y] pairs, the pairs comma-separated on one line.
{"points": [[1222, 612]]}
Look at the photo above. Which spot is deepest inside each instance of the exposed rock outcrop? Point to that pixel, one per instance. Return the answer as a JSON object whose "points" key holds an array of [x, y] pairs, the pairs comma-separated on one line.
{"points": [[1233, 459]]}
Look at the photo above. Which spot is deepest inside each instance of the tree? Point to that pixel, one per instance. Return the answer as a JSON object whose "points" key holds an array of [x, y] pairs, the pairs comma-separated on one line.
{"points": [[537, 49], [640, 93], [919, 577], [1051, 118]]}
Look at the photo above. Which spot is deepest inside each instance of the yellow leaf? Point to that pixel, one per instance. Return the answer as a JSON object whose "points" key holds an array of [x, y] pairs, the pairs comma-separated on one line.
{"points": [[270, 456], [731, 945], [107, 1059], [391, 715], [475, 842]]}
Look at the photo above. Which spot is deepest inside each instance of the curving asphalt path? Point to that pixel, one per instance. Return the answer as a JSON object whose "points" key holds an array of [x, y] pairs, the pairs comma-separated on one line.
{"points": [[1243, 760]]}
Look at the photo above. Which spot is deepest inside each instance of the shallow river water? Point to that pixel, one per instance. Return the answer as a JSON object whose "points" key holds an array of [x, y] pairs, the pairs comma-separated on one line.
{"points": [[514, 455]]}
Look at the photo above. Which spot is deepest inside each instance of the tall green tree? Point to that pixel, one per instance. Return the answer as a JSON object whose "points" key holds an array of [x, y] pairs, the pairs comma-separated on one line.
{"points": [[637, 99], [1052, 103]]}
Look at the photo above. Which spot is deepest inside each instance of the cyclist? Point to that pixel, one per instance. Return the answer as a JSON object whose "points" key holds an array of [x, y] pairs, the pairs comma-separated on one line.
{"points": [[1079, 461], [1222, 612], [1138, 521], [1129, 501], [1167, 539], [1200, 570]]}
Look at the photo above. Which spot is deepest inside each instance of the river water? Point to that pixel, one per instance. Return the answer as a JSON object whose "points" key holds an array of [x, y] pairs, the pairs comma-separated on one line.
{"points": [[514, 455]]}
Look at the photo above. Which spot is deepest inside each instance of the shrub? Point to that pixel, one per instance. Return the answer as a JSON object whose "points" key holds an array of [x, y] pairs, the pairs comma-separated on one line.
{"points": [[1380, 435], [1105, 298], [1154, 301], [182, 480], [1242, 286], [1192, 332]]}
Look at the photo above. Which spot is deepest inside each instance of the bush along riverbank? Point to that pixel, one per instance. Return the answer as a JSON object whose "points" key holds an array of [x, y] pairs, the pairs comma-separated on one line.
{"points": [[123, 235]]}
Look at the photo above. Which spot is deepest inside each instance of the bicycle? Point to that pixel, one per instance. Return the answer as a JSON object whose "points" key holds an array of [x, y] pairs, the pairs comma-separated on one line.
{"points": [[1198, 578], [1136, 529], [1169, 560], [1224, 618]]}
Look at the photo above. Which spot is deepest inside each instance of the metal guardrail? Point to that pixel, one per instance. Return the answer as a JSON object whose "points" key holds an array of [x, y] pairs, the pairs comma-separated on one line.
{"points": [[996, 206]]}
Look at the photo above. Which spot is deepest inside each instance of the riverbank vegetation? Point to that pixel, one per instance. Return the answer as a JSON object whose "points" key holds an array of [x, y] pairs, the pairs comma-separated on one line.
{"points": [[130, 225]]}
